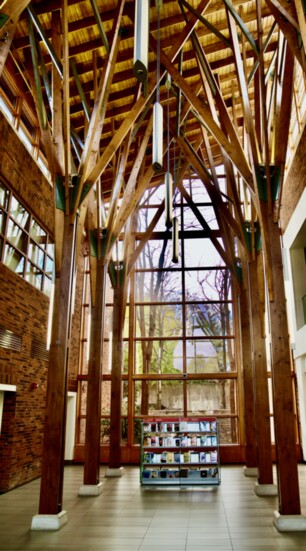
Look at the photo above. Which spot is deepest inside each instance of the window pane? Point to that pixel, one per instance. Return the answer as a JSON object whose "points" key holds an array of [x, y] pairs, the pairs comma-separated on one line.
{"points": [[158, 286], [36, 255], [145, 218], [211, 397], [47, 286], [14, 260], [157, 254], [50, 249], [16, 236], [158, 357], [38, 234], [191, 221], [206, 320], [158, 321], [201, 252], [4, 196], [19, 213], [159, 397], [2, 221], [208, 285], [49, 266], [210, 356], [34, 276]]}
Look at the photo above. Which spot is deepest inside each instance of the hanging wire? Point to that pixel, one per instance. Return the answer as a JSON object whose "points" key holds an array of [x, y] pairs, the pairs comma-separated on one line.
{"points": [[158, 53]]}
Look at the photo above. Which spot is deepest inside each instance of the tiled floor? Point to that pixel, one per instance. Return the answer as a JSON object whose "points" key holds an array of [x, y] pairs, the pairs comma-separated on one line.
{"points": [[128, 517]]}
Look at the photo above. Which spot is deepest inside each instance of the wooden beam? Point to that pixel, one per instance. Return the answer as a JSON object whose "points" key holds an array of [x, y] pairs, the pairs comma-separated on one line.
{"points": [[6, 38], [51, 489], [66, 106], [284, 422], [233, 150], [129, 121], [91, 148], [261, 393], [247, 370], [289, 29], [129, 191], [12, 9]]}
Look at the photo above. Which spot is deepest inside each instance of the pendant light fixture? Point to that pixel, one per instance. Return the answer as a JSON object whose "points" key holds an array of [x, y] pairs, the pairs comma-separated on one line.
{"points": [[141, 40], [175, 240], [157, 149], [168, 175], [168, 199]]}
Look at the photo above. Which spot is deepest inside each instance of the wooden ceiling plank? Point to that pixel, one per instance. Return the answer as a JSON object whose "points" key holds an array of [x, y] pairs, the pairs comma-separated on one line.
{"points": [[116, 141]]}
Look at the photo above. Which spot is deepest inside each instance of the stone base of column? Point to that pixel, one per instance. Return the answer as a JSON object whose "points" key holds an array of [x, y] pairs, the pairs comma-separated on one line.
{"points": [[91, 489], [49, 522], [289, 523], [265, 489], [250, 471], [114, 472]]}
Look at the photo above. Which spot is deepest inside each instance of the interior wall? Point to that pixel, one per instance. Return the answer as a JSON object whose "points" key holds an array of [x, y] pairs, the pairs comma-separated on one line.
{"points": [[294, 241]]}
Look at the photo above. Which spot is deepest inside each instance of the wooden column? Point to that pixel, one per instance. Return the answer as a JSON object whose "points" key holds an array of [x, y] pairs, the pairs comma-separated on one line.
{"points": [[285, 440], [116, 388], [247, 372], [262, 412], [93, 406], [51, 489]]}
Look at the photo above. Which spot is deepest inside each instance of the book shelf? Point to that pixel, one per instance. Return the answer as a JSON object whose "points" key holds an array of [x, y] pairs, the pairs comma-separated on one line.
{"points": [[180, 451]]}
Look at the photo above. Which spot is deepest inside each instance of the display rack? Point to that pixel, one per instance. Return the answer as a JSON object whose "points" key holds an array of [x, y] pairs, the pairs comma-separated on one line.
{"points": [[180, 451]]}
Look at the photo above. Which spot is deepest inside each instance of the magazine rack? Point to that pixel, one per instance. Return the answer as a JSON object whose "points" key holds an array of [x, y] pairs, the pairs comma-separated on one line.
{"points": [[180, 451]]}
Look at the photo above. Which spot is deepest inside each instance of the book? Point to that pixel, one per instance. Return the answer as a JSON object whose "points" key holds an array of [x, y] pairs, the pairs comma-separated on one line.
{"points": [[202, 457], [194, 457]]}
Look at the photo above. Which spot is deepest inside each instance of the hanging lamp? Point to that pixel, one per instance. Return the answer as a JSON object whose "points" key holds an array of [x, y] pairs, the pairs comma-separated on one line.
{"points": [[157, 149], [175, 240], [168, 199], [141, 40]]}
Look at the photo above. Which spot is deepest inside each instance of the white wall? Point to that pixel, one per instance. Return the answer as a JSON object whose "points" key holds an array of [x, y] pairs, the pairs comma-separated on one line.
{"points": [[294, 242], [70, 425]]}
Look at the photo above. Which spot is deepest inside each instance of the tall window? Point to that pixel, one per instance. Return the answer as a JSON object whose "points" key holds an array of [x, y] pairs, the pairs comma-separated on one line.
{"points": [[179, 338], [25, 247]]}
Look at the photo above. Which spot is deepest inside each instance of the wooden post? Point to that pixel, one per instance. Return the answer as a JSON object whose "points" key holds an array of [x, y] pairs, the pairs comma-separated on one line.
{"points": [[51, 489], [262, 412], [285, 441], [249, 409], [116, 388], [93, 406]]}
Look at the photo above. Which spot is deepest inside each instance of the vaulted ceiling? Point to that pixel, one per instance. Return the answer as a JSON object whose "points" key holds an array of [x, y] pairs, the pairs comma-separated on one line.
{"points": [[67, 73]]}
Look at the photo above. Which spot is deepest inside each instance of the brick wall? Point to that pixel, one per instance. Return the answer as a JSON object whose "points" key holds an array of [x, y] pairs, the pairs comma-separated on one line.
{"points": [[21, 173], [23, 310]]}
